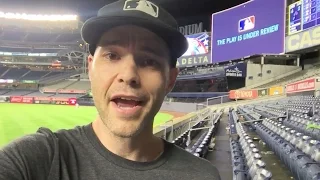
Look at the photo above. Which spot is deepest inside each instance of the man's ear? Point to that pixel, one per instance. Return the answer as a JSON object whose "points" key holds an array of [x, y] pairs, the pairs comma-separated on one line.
{"points": [[90, 65], [172, 79]]}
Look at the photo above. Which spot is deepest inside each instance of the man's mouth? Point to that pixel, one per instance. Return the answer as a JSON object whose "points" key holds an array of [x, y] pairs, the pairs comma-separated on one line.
{"points": [[126, 102]]}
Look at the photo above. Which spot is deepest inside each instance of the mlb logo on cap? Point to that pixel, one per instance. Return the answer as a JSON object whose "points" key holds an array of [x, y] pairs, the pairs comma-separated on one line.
{"points": [[246, 24], [143, 6]]}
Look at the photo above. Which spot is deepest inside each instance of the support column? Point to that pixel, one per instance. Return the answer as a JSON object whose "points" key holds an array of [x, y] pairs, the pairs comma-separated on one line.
{"points": [[262, 59], [298, 61]]}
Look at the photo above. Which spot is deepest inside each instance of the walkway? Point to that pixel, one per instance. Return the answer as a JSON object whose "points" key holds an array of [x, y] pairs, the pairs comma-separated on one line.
{"points": [[221, 156]]}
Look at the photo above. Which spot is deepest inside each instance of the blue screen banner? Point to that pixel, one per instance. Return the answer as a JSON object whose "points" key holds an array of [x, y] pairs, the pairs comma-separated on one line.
{"points": [[237, 70], [255, 27]]}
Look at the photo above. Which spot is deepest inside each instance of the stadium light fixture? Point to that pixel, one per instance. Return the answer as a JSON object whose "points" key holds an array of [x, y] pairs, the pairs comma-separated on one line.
{"points": [[38, 17]]}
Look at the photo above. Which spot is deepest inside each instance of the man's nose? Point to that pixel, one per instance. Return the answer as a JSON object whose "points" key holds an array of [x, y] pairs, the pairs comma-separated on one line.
{"points": [[129, 71]]}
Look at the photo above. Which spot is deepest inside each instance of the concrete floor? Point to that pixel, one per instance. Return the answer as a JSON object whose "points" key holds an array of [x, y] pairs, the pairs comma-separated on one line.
{"points": [[221, 157]]}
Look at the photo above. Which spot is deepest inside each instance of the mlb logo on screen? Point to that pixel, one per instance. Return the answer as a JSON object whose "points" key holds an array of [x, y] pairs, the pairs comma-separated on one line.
{"points": [[143, 6], [246, 24]]}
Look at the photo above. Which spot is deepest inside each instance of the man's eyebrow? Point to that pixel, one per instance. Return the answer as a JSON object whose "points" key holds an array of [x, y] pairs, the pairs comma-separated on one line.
{"points": [[112, 43], [149, 48], [154, 51]]}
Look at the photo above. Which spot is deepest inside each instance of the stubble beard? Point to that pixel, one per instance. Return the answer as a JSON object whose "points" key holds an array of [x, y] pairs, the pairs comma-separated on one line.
{"points": [[122, 132]]}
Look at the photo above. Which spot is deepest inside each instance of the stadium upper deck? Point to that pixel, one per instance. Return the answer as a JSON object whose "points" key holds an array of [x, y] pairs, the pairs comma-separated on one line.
{"points": [[22, 32]]}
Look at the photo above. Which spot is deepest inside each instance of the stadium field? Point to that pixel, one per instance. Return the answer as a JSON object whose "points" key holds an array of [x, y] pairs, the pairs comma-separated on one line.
{"points": [[20, 119]]}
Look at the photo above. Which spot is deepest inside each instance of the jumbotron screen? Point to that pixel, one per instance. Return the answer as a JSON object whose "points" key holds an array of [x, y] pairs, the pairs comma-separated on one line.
{"points": [[303, 15], [255, 27], [198, 44]]}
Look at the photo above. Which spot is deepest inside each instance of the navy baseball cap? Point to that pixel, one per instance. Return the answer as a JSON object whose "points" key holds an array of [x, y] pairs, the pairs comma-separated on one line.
{"points": [[141, 13]]}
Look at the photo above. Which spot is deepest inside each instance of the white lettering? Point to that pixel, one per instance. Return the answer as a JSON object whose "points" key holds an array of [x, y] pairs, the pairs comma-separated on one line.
{"points": [[191, 29]]}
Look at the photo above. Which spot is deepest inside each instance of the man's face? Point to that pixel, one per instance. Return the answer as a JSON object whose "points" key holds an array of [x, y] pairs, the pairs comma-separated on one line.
{"points": [[130, 76]]}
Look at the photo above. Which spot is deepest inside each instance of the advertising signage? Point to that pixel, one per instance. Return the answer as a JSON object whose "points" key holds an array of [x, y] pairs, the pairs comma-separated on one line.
{"points": [[21, 99], [243, 94], [303, 40], [301, 86], [276, 90], [7, 81], [28, 54], [191, 28], [248, 29], [57, 101], [194, 24], [237, 70], [194, 60]]}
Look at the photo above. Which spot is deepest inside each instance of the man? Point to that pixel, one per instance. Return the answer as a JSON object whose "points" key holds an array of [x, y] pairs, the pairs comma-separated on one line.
{"points": [[131, 69]]}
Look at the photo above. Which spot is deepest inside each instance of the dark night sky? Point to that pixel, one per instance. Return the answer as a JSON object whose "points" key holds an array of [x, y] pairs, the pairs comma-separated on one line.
{"points": [[88, 8]]}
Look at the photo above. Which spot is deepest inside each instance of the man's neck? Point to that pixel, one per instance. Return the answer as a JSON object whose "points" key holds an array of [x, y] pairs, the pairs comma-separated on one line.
{"points": [[143, 148]]}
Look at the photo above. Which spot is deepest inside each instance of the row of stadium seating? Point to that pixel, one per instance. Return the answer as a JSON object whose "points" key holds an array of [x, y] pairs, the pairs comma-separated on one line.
{"points": [[201, 147], [206, 128], [304, 74], [181, 140], [203, 85], [207, 69], [26, 74], [19, 36], [287, 132], [71, 84], [301, 141], [35, 93], [287, 148], [30, 50], [246, 160], [301, 122]]}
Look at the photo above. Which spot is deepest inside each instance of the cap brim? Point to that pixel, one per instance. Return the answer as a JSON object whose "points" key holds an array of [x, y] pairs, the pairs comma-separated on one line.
{"points": [[93, 29]]}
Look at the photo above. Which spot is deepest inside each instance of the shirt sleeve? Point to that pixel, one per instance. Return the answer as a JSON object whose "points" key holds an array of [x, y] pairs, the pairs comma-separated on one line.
{"points": [[27, 158], [215, 173]]}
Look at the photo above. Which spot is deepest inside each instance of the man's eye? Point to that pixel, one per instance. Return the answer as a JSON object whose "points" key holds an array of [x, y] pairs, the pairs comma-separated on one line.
{"points": [[150, 63], [112, 56]]}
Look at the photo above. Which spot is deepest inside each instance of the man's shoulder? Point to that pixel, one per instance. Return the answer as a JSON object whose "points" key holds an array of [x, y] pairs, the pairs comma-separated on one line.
{"points": [[194, 163], [43, 138], [32, 156], [31, 142]]}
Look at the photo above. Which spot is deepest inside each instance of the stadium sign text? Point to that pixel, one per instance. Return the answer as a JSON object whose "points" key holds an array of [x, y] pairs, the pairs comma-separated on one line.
{"points": [[302, 40], [62, 102], [243, 94], [191, 28], [194, 60], [301, 86], [21, 99], [237, 70]]}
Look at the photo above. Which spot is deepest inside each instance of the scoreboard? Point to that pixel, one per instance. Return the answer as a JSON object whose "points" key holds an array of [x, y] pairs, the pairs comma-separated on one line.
{"points": [[303, 14], [295, 23], [311, 13]]}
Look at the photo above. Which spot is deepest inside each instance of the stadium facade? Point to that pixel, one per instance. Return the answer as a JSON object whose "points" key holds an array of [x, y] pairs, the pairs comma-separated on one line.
{"points": [[48, 58]]}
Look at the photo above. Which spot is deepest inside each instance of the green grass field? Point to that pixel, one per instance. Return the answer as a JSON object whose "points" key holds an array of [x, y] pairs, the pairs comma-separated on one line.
{"points": [[19, 119]]}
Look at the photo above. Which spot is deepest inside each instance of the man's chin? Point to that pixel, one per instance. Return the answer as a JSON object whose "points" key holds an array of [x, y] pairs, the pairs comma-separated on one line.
{"points": [[126, 131]]}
